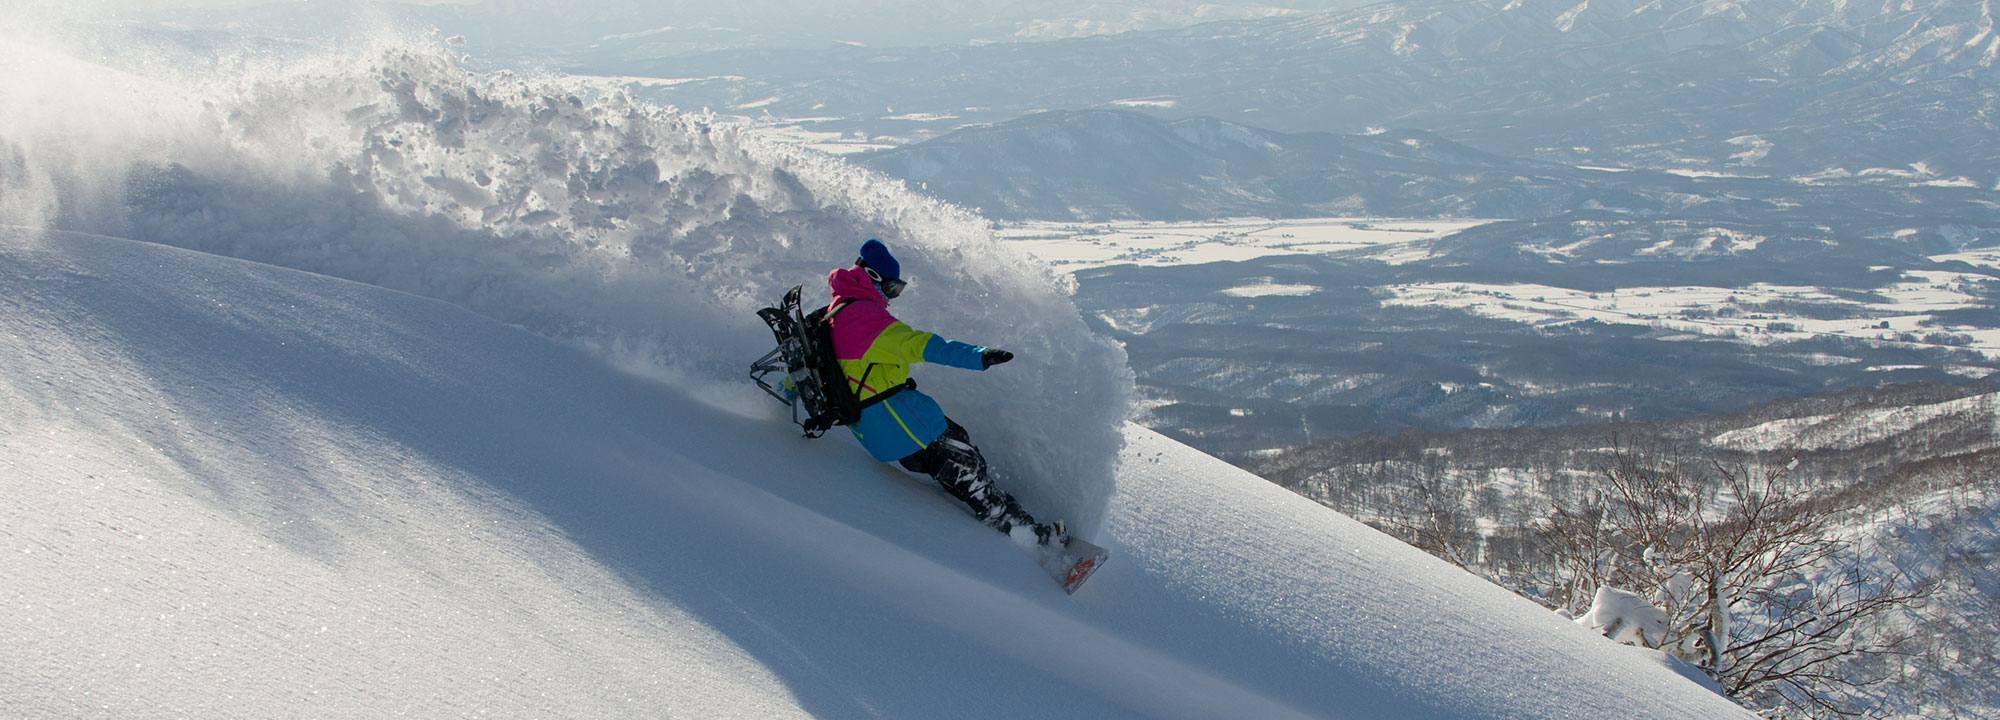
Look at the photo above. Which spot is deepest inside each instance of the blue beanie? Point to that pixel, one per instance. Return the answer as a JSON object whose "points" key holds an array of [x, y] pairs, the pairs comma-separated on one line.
{"points": [[877, 256]]}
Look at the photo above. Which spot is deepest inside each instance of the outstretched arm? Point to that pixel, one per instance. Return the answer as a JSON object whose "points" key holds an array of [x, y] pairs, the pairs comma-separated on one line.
{"points": [[914, 346]]}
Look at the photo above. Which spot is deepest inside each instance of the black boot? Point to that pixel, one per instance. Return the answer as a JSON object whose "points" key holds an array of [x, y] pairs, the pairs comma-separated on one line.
{"points": [[958, 467]]}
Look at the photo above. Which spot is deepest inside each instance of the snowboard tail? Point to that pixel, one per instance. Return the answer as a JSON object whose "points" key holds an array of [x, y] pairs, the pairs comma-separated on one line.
{"points": [[1074, 563]]}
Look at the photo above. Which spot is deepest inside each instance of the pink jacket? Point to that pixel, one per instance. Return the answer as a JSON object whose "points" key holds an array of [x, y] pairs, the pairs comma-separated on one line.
{"points": [[876, 351]]}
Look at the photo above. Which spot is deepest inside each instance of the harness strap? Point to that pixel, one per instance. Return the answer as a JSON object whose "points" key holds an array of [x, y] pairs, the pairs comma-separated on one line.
{"points": [[862, 383]]}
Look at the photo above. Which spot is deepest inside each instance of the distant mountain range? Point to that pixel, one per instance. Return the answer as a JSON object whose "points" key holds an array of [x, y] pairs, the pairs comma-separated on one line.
{"points": [[1123, 164], [1109, 164], [1300, 114], [618, 30], [1777, 87]]}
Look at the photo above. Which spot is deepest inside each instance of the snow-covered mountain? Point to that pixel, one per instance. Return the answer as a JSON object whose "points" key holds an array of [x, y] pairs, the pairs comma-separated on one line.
{"points": [[1108, 164], [1777, 87], [612, 30], [1111, 164], [510, 466]]}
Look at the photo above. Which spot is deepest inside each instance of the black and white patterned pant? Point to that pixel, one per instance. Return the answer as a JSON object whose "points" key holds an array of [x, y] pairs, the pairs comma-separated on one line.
{"points": [[957, 466]]}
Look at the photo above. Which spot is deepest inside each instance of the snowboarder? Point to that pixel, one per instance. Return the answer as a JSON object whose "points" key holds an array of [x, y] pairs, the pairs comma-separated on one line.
{"points": [[876, 350]]}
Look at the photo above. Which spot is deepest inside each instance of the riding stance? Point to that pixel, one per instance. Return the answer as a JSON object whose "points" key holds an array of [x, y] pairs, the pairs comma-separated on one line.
{"points": [[876, 351]]}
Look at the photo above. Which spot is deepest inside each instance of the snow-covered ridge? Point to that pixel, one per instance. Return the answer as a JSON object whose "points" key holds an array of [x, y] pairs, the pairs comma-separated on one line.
{"points": [[1896, 34], [1846, 431], [643, 233]]}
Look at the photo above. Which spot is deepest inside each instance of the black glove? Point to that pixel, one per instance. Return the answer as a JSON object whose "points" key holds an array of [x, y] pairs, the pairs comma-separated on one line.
{"points": [[994, 357]]}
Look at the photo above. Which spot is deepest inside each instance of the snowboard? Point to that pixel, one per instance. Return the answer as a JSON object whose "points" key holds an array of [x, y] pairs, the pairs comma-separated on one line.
{"points": [[1073, 563]]}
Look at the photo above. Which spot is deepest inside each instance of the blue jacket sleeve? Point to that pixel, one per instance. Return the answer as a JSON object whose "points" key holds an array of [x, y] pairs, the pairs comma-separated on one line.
{"points": [[954, 353]]}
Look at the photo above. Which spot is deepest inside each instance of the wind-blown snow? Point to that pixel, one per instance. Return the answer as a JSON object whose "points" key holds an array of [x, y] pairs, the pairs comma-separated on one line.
{"points": [[234, 490], [647, 235]]}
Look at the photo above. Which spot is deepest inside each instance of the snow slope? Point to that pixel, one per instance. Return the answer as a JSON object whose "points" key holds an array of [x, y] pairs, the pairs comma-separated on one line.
{"points": [[508, 463], [642, 233], [239, 490]]}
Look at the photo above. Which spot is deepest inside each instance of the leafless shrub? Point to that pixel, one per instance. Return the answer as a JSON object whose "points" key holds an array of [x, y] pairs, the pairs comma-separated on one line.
{"points": [[1757, 590]]}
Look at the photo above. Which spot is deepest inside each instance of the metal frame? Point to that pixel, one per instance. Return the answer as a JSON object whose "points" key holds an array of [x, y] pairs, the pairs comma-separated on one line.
{"points": [[774, 362]]}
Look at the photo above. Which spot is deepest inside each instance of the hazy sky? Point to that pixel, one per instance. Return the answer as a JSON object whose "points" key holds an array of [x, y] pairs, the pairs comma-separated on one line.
{"points": [[742, 22]]}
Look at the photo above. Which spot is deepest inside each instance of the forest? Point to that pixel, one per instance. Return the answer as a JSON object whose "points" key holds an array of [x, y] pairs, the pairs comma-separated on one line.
{"points": [[1829, 556]]}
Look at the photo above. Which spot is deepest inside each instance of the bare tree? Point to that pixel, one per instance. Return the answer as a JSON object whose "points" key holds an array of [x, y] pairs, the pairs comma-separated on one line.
{"points": [[1757, 589], [1442, 527]]}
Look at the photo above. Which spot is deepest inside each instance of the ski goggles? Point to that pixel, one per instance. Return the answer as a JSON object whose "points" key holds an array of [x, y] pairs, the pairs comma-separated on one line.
{"points": [[891, 287]]}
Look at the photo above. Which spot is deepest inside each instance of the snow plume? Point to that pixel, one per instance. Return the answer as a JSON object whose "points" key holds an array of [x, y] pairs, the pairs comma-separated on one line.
{"points": [[645, 234]]}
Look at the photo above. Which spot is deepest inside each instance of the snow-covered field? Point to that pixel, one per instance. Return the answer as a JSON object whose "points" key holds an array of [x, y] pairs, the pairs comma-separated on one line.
{"points": [[1906, 313], [1078, 246], [811, 133], [1906, 316], [510, 466]]}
